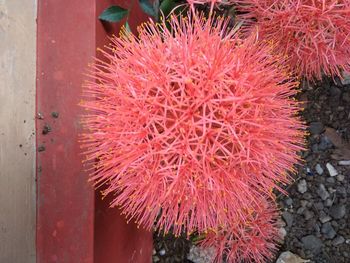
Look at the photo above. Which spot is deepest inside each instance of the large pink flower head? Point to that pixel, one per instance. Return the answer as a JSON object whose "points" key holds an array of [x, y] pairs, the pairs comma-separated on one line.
{"points": [[189, 126], [314, 34]]}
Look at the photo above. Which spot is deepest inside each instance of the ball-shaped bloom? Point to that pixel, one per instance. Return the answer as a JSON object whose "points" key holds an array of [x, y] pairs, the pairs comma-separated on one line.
{"points": [[189, 126], [254, 240], [315, 35]]}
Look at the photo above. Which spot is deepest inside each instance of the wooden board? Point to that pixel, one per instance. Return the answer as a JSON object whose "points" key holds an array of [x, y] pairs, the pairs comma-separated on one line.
{"points": [[17, 127], [71, 228]]}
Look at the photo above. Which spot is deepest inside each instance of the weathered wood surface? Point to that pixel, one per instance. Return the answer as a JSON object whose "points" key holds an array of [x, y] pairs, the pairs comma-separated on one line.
{"points": [[17, 127]]}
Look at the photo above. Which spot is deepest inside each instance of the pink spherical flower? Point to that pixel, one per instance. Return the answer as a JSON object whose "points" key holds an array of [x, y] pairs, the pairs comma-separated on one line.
{"points": [[253, 240], [315, 35], [189, 127]]}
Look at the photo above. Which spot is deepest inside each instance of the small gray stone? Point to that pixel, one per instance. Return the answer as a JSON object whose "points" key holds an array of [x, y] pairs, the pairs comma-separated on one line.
{"points": [[328, 231], [288, 201], [322, 192], [330, 180], [325, 143], [328, 202], [331, 170], [316, 128], [308, 214], [319, 206], [319, 169], [282, 232], [304, 203], [324, 218], [344, 162], [345, 80], [302, 186], [300, 210], [156, 259], [288, 218], [201, 255], [162, 252], [340, 177], [289, 257], [338, 241], [312, 243], [337, 211]]}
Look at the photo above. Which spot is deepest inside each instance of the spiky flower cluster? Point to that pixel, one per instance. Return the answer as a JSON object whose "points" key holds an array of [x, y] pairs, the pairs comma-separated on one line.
{"points": [[192, 129], [314, 34], [253, 240]]}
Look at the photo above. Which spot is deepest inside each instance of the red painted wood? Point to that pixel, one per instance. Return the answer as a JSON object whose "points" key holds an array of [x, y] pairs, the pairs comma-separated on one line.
{"points": [[116, 241], [68, 33], [65, 201]]}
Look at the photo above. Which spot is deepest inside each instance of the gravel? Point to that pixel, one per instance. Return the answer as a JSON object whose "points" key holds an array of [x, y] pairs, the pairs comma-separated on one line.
{"points": [[302, 186], [331, 170], [328, 230], [344, 162], [322, 192], [337, 211], [316, 128], [312, 243], [319, 169]]}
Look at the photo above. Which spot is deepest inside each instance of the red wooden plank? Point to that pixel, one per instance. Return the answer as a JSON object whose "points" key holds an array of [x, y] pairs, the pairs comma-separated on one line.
{"points": [[68, 33]]}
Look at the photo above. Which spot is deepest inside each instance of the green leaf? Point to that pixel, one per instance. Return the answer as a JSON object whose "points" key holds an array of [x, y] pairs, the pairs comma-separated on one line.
{"points": [[113, 14], [167, 6], [127, 27], [147, 7]]}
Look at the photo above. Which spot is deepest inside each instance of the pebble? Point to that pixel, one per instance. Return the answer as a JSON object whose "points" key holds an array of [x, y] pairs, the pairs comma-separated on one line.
{"points": [[324, 218], [289, 257], [282, 232], [319, 206], [316, 128], [156, 259], [288, 201], [302, 186], [288, 218], [328, 231], [346, 78], [328, 203], [322, 192], [201, 255], [344, 162], [338, 241], [340, 177], [308, 215], [331, 170], [319, 169], [312, 243], [324, 144], [337, 211], [162, 252], [330, 180]]}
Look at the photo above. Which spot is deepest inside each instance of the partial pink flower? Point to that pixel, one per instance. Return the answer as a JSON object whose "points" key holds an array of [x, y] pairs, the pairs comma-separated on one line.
{"points": [[186, 129], [253, 240], [315, 35]]}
